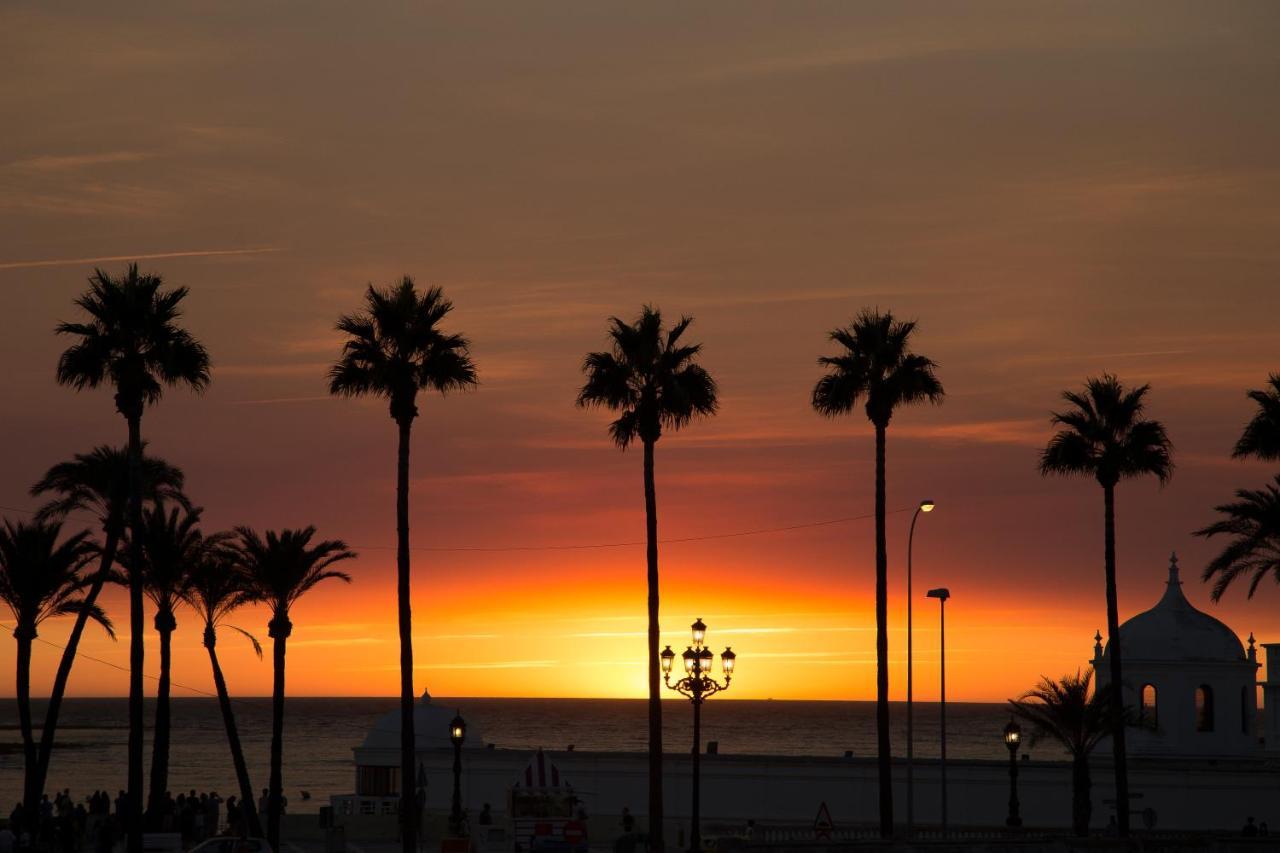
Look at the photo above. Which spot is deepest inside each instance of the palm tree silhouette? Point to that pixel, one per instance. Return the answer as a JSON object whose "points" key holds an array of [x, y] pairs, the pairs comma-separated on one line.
{"points": [[1261, 436], [652, 381], [281, 568], [1105, 436], [394, 350], [216, 588], [1253, 521], [96, 482], [172, 545], [877, 367], [1076, 717], [132, 342], [40, 578]]}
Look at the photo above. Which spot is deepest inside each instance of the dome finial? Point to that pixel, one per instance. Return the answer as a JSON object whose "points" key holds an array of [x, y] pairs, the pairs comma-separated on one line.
{"points": [[1097, 645], [1173, 569]]}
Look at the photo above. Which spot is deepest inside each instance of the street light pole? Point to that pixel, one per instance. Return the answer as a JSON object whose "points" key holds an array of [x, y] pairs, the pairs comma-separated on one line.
{"points": [[457, 734], [698, 686], [925, 506], [942, 594], [1013, 739]]}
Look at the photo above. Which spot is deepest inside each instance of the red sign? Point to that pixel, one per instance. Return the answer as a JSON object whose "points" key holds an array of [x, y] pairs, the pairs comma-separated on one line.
{"points": [[822, 824], [575, 832]]}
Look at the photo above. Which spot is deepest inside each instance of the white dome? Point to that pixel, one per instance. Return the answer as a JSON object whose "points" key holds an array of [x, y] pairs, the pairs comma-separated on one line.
{"points": [[430, 728], [1174, 630]]}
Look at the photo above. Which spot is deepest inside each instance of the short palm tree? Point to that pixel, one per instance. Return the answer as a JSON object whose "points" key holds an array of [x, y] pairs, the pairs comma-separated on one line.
{"points": [[1253, 520], [172, 546], [1261, 436], [1077, 718], [216, 587], [96, 482], [395, 349], [280, 568], [40, 578], [132, 342], [1104, 435], [876, 367], [654, 383]]}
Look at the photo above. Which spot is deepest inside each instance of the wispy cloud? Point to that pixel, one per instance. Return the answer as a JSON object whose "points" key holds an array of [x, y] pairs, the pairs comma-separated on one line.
{"points": [[493, 664], [269, 401], [46, 163], [197, 253]]}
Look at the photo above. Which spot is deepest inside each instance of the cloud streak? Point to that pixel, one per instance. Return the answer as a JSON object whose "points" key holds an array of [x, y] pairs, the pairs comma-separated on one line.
{"points": [[197, 253]]}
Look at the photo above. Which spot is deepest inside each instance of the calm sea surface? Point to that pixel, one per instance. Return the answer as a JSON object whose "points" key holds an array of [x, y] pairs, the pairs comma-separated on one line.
{"points": [[320, 733]]}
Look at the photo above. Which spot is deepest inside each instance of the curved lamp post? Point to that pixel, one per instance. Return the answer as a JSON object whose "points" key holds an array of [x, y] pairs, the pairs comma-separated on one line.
{"points": [[942, 594], [457, 734], [697, 685], [1013, 739], [926, 505]]}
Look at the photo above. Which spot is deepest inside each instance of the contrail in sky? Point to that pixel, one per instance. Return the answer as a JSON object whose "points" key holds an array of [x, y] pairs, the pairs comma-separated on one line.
{"points": [[204, 253]]}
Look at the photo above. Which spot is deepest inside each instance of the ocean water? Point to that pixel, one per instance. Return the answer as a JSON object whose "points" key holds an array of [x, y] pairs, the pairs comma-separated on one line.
{"points": [[320, 734]]}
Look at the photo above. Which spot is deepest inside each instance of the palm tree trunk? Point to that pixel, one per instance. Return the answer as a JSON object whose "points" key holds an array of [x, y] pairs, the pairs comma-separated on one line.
{"points": [[133, 813], [69, 655], [884, 756], [31, 793], [656, 841], [279, 634], [1081, 805], [1117, 681], [247, 806], [160, 742], [408, 742]]}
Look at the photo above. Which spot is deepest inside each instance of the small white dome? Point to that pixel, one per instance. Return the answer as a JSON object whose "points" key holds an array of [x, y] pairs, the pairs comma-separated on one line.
{"points": [[430, 728]]}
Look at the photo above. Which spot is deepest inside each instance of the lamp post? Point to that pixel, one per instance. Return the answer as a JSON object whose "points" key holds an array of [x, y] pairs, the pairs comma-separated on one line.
{"points": [[942, 594], [926, 505], [1013, 739], [457, 734], [698, 686]]}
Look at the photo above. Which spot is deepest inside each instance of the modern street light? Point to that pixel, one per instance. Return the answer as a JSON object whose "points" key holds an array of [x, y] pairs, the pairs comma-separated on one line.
{"points": [[698, 686], [942, 594], [1013, 739], [926, 505], [457, 734]]}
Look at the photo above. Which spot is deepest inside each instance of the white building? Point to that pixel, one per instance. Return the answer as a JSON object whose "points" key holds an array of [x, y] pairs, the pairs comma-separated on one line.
{"points": [[1189, 681]]}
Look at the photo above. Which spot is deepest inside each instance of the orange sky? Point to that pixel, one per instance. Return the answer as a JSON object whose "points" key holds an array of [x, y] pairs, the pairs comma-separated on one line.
{"points": [[1087, 189]]}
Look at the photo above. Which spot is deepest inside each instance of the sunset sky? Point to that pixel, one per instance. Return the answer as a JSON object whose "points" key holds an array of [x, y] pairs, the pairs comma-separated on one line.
{"points": [[1052, 191]]}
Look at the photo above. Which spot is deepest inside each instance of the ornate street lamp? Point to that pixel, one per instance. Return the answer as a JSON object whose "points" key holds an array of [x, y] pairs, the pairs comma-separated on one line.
{"points": [[1013, 739], [926, 505], [697, 685], [942, 594], [457, 734]]}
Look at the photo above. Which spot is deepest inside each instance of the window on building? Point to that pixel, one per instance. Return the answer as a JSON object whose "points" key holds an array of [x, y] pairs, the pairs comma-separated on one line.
{"points": [[377, 781], [1204, 708], [1147, 710]]}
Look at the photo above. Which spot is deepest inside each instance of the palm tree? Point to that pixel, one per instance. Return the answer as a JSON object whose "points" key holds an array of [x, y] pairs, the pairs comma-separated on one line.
{"points": [[877, 368], [96, 482], [1068, 712], [132, 342], [1261, 436], [653, 382], [1104, 436], [40, 578], [1254, 522], [395, 350], [215, 589], [172, 545], [280, 568]]}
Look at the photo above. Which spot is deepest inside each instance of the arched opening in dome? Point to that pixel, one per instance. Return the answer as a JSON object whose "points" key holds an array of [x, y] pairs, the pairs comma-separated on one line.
{"points": [[1147, 718], [1204, 708]]}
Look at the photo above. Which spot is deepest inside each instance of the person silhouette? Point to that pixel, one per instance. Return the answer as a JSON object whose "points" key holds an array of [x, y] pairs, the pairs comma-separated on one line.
{"points": [[1250, 830]]}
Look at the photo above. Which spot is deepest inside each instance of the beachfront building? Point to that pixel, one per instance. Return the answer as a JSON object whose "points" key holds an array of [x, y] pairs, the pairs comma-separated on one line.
{"points": [[1190, 683]]}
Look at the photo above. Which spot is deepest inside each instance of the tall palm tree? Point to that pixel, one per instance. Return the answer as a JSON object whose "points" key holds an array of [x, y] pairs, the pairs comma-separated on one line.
{"points": [[132, 342], [96, 482], [876, 367], [40, 578], [653, 382], [215, 589], [281, 568], [395, 349], [1104, 436], [1254, 522], [1077, 718], [172, 546], [1261, 436]]}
